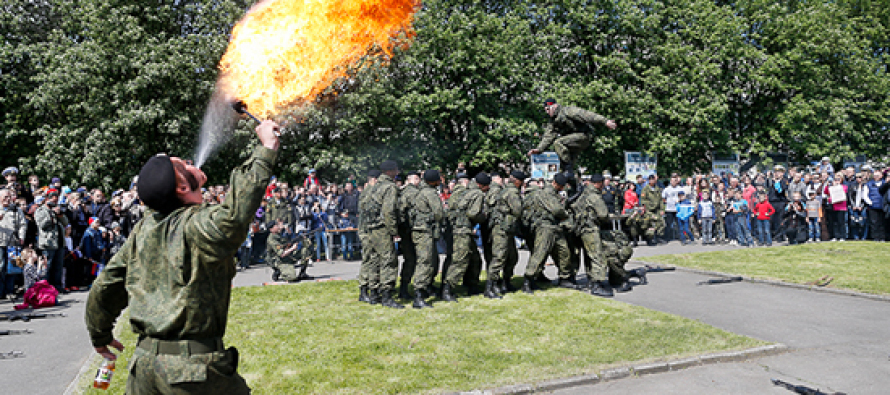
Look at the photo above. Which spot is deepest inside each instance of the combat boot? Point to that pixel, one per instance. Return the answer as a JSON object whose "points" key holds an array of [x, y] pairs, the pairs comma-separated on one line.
{"points": [[625, 286], [276, 274], [446, 293], [403, 291], [373, 296], [419, 302], [491, 290], [528, 286], [363, 294], [387, 301], [639, 273], [303, 276], [565, 283], [507, 285], [602, 289]]}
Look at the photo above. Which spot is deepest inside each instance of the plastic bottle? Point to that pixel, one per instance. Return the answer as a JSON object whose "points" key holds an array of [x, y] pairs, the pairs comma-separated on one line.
{"points": [[103, 375]]}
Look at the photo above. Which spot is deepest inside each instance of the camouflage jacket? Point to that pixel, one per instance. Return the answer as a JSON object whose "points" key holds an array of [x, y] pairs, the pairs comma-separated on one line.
{"points": [[569, 120], [407, 200], [50, 228], [364, 208], [386, 194], [427, 210], [508, 207], [547, 207], [651, 199], [590, 210], [279, 211], [13, 226], [275, 246], [175, 271]]}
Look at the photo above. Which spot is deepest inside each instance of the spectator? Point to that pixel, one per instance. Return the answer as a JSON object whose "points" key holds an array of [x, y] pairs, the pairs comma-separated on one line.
{"points": [[51, 226], [705, 214], [797, 184], [876, 213], [13, 228], [609, 193], [738, 209], [837, 194], [303, 213], [718, 197], [814, 216], [825, 166], [349, 201], [347, 238], [311, 180], [631, 199], [12, 175], [99, 208], [670, 195], [796, 220], [777, 189], [319, 224], [685, 210], [33, 266], [859, 202], [33, 183], [764, 211], [93, 245], [638, 187]]}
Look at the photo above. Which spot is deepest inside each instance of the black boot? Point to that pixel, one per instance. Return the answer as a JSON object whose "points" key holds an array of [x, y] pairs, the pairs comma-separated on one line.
{"points": [[387, 300], [601, 288], [446, 293], [491, 290], [276, 274], [625, 286], [639, 273], [303, 276], [528, 286], [403, 291], [373, 296], [565, 283], [419, 302], [363, 294], [507, 285]]}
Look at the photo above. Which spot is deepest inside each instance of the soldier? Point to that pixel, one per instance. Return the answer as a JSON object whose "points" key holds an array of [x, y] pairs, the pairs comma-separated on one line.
{"points": [[546, 209], [175, 272], [653, 205], [365, 293], [278, 210], [407, 197], [569, 130], [463, 181], [491, 198], [426, 215], [466, 210], [382, 222], [284, 256], [591, 211], [506, 212]]}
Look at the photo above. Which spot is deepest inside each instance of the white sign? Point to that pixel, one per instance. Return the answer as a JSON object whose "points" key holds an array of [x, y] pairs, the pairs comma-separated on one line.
{"points": [[638, 163], [545, 165], [728, 164]]}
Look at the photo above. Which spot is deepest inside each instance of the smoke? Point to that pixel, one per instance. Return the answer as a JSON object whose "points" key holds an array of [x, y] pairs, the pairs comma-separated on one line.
{"points": [[217, 127]]}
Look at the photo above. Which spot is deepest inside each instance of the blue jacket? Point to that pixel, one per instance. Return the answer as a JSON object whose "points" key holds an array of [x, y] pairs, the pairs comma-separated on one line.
{"points": [[685, 209], [705, 209], [877, 201], [319, 220], [91, 244]]}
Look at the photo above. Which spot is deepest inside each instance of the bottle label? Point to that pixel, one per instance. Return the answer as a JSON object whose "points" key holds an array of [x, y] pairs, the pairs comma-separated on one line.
{"points": [[104, 375]]}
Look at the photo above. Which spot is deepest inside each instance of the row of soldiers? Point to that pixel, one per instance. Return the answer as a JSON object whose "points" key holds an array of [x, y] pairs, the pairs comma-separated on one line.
{"points": [[552, 226]]}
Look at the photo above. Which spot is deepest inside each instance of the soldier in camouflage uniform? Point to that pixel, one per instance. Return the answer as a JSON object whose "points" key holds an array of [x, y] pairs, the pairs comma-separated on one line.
{"points": [[506, 212], [366, 294], [547, 211], [491, 197], [463, 181], [426, 215], [407, 197], [649, 221], [591, 211], [467, 210], [279, 211], [382, 222], [569, 131], [284, 256], [175, 273]]}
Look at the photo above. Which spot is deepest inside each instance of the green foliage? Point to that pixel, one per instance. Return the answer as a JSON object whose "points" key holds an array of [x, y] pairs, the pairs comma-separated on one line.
{"points": [[93, 88]]}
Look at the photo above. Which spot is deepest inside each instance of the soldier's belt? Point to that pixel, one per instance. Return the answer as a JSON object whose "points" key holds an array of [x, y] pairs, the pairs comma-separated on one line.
{"points": [[180, 347]]}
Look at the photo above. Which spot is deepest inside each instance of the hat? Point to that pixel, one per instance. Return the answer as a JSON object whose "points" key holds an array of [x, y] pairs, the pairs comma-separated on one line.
{"points": [[616, 178], [518, 174], [431, 176], [389, 165], [157, 184], [374, 173], [778, 167], [483, 179], [586, 177], [311, 170], [91, 220], [866, 168], [55, 180], [52, 192], [826, 159], [607, 174], [81, 190], [10, 170], [597, 178], [681, 193], [561, 179], [115, 225], [462, 175], [549, 102], [66, 190]]}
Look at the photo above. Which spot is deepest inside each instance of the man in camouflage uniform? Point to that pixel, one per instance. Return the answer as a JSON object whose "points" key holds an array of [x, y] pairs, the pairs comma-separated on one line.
{"points": [[648, 221], [491, 197], [506, 212], [426, 215], [284, 256], [546, 209], [383, 222], [279, 211], [175, 272], [591, 211], [463, 182], [569, 131], [407, 197], [366, 294], [467, 210]]}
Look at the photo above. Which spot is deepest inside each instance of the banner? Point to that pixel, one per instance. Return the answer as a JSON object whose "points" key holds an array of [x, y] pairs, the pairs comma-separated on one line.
{"points": [[726, 163], [545, 165], [638, 163]]}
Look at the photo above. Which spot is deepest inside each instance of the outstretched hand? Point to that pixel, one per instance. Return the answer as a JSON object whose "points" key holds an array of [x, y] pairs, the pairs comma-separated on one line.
{"points": [[106, 353], [268, 132]]}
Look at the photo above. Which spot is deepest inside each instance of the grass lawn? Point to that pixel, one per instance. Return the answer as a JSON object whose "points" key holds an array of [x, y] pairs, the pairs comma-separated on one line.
{"points": [[857, 265], [317, 338]]}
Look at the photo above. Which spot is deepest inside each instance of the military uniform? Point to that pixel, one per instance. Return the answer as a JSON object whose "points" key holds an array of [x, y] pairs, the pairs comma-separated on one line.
{"points": [[547, 212], [286, 266], [456, 195], [407, 198], [465, 210], [651, 223], [591, 210], [382, 223], [426, 215], [280, 211], [364, 212], [575, 126], [506, 214], [175, 272]]}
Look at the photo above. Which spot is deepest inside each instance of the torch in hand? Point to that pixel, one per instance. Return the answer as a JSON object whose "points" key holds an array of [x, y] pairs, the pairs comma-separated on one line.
{"points": [[241, 108]]}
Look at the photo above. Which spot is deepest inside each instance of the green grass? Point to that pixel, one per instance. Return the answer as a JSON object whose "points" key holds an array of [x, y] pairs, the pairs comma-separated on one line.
{"points": [[317, 338], [860, 266]]}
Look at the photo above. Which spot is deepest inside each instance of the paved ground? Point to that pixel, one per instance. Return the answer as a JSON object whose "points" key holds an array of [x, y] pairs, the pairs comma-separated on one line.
{"points": [[839, 342]]}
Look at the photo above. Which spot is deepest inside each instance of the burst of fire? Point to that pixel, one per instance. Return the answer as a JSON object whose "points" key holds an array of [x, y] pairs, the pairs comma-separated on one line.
{"points": [[285, 52]]}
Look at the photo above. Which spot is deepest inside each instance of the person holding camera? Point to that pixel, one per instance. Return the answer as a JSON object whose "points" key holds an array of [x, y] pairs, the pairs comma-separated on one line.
{"points": [[13, 226], [51, 224], [319, 224], [11, 174]]}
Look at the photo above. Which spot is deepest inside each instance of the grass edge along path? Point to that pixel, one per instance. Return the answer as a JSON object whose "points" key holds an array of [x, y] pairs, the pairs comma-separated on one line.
{"points": [[316, 338], [859, 266]]}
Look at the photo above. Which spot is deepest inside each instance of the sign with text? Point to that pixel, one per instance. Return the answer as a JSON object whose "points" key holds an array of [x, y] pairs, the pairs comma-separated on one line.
{"points": [[638, 163], [545, 165], [726, 163]]}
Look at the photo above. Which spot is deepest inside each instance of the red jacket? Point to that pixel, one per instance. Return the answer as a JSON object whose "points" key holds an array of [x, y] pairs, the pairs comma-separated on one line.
{"points": [[630, 199], [764, 210]]}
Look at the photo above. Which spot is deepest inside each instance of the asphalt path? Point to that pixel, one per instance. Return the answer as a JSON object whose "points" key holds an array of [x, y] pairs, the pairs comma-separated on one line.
{"points": [[838, 342]]}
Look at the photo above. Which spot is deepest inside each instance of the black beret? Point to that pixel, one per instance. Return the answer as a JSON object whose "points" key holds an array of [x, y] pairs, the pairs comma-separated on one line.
{"points": [[157, 184], [389, 165], [561, 179], [548, 102], [431, 176], [483, 179], [374, 173], [462, 175], [597, 178], [518, 174]]}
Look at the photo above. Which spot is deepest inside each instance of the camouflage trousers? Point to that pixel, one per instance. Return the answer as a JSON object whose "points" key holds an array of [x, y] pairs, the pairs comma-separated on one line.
{"points": [[383, 264], [286, 269], [409, 256], [427, 259], [365, 267], [504, 255], [594, 261], [649, 225], [465, 261], [569, 146], [549, 241], [210, 373]]}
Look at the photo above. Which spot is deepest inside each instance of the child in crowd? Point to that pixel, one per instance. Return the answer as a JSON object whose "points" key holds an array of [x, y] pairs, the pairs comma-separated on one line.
{"points": [[347, 239], [814, 216], [764, 212], [706, 217], [738, 209], [33, 266], [685, 209]]}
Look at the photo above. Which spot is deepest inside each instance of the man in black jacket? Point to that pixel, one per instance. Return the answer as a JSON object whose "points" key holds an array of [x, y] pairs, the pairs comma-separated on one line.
{"points": [[349, 201], [777, 188]]}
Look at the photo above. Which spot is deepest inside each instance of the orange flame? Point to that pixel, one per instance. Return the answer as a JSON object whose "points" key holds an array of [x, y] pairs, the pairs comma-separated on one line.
{"points": [[284, 53]]}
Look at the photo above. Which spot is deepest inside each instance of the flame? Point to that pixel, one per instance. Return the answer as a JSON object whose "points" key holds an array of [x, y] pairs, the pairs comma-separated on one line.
{"points": [[285, 52]]}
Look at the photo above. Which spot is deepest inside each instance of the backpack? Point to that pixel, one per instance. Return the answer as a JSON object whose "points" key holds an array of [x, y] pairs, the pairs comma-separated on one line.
{"points": [[41, 294]]}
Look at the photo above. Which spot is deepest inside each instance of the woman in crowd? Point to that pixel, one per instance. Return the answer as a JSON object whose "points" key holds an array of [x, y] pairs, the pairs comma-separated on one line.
{"points": [[836, 192], [858, 197]]}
